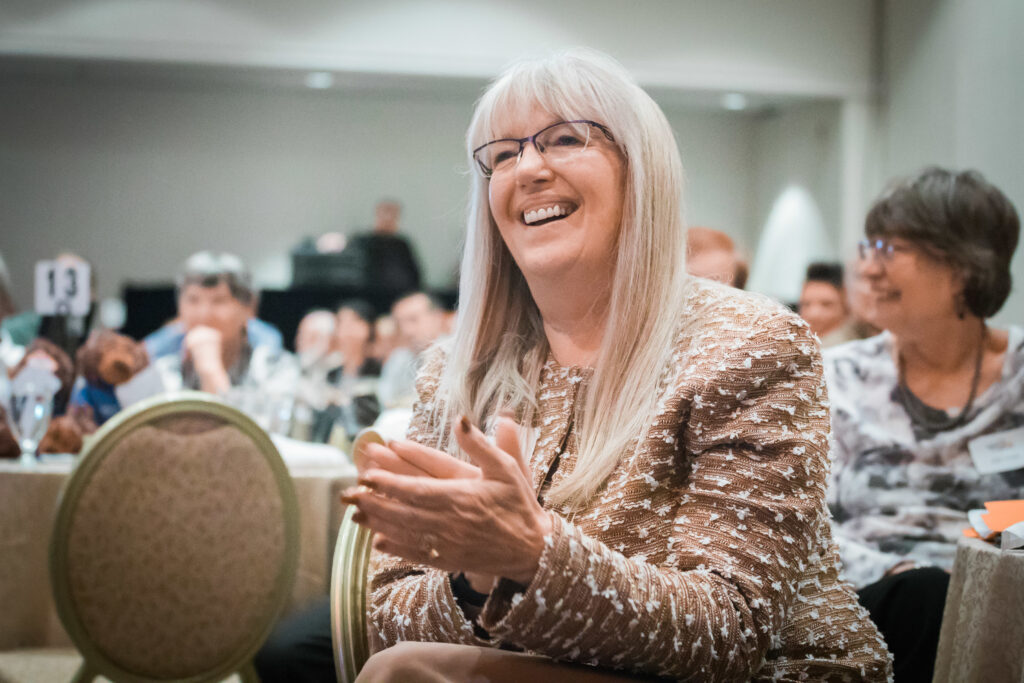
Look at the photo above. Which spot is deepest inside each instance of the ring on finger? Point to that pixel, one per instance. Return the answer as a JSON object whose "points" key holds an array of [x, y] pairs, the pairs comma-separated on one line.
{"points": [[429, 545]]}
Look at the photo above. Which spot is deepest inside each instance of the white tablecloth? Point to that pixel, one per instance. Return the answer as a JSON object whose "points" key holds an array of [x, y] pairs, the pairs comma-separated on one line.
{"points": [[982, 638], [28, 505]]}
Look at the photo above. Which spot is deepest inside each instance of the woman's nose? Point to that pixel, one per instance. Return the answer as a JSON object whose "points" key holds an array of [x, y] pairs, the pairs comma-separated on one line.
{"points": [[532, 164]]}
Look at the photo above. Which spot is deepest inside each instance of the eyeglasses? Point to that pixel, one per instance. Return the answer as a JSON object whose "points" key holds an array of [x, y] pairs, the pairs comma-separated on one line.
{"points": [[879, 249], [557, 142]]}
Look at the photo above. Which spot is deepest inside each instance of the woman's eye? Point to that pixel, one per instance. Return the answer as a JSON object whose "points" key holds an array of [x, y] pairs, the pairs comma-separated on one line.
{"points": [[567, 140], [504, 155]]}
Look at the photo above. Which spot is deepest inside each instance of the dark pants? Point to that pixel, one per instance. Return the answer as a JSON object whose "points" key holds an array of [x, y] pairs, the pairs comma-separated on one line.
{"points": [[907, 608], [300, 649]]}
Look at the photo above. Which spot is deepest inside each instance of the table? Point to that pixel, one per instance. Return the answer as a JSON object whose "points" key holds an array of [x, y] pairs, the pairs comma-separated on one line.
{"points": [[28, 505], [982, 636]]}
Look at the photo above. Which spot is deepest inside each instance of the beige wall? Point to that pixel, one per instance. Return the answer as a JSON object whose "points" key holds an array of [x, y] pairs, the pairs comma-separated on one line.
{"points": [[955, 97], [137, 176]]}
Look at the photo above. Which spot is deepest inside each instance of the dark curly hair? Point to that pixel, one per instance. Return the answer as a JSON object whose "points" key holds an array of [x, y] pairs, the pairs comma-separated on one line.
{"points": [[960, 218]]}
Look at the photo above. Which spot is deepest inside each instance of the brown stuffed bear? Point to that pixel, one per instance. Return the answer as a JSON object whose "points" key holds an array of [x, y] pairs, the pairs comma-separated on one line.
{"points": [[110, 358], [106, 360]]}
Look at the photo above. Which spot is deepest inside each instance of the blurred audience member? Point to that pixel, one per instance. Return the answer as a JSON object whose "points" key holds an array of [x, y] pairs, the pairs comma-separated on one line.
{"points": [[385, 337], [352, 387], [420, 322], [861, 300], [215, 303], [68, 332], [314, 341], [914, 407], [713, 255], [391, 264], [823, 304], [168, 339], [10, 351]]}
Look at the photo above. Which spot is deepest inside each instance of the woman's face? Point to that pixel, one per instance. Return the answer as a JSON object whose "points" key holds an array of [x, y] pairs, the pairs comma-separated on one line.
{"points": [[908, 287], [352, 333], [587, 188]]}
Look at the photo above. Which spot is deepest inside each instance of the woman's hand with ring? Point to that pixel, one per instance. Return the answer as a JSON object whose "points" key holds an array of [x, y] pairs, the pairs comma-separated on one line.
{"points": [[483, 520]]}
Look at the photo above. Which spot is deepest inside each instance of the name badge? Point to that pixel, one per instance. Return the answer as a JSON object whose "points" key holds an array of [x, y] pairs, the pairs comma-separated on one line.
{"points": [[999, 452]]}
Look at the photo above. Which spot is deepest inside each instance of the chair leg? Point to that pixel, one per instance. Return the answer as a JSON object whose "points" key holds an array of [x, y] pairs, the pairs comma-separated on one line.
{"points": [[247, 674]]}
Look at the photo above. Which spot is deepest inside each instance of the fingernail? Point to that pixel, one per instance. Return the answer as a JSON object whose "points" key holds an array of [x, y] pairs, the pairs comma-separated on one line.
{"points": [[359, 518], [368, 483], [348, 500], [464, 424], [391, 444]]}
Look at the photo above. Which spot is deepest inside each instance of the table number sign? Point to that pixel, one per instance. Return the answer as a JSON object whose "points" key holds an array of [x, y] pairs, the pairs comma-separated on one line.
{"points": [[62, 287]]}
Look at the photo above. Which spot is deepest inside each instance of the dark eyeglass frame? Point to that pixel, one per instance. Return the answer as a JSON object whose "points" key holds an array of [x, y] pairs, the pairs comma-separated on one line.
{"points": [[882, 249], [488, 172]]}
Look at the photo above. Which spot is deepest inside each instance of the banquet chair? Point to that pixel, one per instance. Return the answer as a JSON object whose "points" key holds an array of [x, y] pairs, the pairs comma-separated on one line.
{"points": [[348, 598], [175, 544]]}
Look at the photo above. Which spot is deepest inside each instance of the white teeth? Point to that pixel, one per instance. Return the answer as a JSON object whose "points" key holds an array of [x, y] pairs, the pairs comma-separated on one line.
{"points": [[544, 213]]}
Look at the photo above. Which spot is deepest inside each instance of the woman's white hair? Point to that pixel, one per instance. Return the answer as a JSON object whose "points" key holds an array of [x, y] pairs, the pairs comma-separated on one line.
{"points": [[499, 347]]}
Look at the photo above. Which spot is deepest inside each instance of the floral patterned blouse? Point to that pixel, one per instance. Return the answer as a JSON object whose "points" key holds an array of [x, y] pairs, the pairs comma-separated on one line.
{"points": [[899, 490]]}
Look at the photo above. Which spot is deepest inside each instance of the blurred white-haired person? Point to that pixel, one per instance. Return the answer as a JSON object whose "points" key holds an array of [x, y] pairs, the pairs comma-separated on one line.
{"points": [[645, 492]]}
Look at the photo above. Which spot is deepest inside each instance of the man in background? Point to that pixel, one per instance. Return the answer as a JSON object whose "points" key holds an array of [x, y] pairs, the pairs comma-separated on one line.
{"points": [[168, 339], [824, 306], [215, 303], [420, 321], [391, 264]]}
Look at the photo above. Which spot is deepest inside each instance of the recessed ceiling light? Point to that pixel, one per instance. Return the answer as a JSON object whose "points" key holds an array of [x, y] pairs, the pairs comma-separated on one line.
{"points": [[319, 80], [734, 101]]}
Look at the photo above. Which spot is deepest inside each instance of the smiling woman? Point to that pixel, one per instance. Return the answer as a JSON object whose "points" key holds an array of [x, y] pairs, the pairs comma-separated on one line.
{"points": [[645, 495], [916, 408]]}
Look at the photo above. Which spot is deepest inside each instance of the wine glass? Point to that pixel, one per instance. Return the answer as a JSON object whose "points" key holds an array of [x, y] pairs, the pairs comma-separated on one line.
{"points": [[28, 405]]}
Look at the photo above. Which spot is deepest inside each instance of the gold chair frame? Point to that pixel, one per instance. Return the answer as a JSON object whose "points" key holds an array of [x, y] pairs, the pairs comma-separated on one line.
{"points": [[349, 631], [95, 663]]}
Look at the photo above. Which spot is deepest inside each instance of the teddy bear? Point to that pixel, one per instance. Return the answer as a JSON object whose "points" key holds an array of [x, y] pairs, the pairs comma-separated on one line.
{"points": [[106, 360]]}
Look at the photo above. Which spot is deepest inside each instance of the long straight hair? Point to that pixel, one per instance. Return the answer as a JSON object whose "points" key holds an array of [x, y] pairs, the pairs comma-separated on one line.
{"points": [[499, 348]]}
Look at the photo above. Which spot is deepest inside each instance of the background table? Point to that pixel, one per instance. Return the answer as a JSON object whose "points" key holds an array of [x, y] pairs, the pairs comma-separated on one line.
{"points": [[28, 505], [983, 624]]}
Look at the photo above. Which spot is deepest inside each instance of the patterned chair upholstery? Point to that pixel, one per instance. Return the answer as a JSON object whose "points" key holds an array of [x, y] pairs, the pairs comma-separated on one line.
{"points": [[176, 543]]}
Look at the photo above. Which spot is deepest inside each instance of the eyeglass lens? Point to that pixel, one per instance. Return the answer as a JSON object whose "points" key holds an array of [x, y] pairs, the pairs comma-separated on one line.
{"points": [[555, 142]]}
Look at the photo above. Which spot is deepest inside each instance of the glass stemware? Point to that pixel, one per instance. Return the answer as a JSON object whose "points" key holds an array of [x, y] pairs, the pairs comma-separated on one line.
{"points": [[28, 405]]}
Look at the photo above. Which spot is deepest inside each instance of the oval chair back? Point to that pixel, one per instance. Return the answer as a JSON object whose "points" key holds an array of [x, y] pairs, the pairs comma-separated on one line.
{"points": [[176, 543]]}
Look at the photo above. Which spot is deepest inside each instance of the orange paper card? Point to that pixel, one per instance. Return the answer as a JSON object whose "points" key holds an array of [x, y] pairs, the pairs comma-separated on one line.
{"points": [[1003, 513]]}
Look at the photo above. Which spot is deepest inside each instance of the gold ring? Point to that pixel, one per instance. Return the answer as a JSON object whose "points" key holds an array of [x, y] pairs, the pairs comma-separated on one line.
{"points": [[428, 544]]}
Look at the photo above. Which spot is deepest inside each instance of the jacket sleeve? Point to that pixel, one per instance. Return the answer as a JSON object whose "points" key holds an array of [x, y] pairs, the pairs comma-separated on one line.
{"points": [[409, 601], [749, 521]]}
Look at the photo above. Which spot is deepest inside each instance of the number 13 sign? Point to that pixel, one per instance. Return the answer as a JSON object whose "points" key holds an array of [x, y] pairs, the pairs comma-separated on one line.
{"points": [[62, 287]]}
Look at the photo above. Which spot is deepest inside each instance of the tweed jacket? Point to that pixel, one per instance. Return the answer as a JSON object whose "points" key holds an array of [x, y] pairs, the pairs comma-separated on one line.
{"points": [[707, 554]]}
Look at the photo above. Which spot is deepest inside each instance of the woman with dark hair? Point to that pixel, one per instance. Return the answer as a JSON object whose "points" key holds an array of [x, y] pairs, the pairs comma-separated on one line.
{"points": [[914, 408], [352, 386]]}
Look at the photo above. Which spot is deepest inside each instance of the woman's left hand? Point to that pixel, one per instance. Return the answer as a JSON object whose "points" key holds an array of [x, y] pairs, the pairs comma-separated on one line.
{"points": [[488, 525]]}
